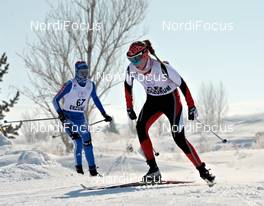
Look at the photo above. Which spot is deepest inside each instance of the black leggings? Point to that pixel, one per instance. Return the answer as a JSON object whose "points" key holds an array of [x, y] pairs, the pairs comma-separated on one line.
{"points": [[171, 106]]}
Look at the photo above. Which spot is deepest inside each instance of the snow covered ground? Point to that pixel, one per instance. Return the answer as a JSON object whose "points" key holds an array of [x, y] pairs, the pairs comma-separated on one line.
{"points": [[31, 176]]}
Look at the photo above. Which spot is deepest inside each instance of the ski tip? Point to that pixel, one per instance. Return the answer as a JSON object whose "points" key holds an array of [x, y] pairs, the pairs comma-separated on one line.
{"points": [[83, 186]]}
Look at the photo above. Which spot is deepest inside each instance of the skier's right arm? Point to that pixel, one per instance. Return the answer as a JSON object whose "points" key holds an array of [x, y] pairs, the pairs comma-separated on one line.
{"points": [[128, 94], [128, 89], [66, 88]]}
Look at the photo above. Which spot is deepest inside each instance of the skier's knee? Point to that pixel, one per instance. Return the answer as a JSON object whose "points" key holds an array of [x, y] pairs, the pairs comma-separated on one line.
{"points": [[86, 139], [141, 127], [141, 130], [180, 140], [87, 143]]}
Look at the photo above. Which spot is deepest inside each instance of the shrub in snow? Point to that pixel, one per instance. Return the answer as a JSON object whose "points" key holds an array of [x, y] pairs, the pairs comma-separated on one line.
{"points": [[259, 140], [33, 157], [4, 141]]}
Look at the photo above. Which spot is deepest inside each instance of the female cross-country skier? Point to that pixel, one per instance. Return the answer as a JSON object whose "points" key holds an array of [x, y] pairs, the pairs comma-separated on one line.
{"points": [[160, 81], [76, 94]]}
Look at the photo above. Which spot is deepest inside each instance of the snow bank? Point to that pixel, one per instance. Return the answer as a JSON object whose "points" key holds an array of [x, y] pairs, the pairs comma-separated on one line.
{"points": [[27, 165], [16, 172], [5, 144], [4, 141], [33, 157]]}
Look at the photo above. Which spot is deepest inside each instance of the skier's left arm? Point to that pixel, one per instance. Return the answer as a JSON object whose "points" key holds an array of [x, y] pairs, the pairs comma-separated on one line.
{"points": [[177, 79], [99, 105]]}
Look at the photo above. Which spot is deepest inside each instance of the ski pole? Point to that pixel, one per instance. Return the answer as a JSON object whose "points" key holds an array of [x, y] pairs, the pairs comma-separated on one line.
{"points": [[97, 122], [29, 120], [222, 139], [43, 119]]}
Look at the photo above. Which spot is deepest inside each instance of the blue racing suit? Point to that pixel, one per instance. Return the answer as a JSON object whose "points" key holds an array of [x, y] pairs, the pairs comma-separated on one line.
{"points": [[76, 98]]}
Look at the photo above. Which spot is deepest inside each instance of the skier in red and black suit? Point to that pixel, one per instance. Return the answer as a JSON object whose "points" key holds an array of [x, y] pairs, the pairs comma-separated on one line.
{"points": [[160, 81]]}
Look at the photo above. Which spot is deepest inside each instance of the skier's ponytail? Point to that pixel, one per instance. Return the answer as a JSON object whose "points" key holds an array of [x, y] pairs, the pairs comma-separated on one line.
{"points": [[152, 52], [149, 47]]}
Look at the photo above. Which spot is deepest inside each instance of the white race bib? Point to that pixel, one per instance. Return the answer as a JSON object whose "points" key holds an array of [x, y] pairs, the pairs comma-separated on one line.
{"points": [[77, 99]]}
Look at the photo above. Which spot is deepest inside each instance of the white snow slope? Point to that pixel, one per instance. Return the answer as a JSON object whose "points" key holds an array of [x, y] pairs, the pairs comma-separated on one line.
{"points": [[29, 176], [33, 178]]}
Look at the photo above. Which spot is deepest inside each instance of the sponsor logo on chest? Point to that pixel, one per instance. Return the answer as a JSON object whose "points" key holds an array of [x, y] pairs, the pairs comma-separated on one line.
{"points": [[158, 90]]}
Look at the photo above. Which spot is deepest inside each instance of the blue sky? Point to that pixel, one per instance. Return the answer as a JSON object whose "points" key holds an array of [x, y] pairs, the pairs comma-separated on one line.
{"points": [[234, 57]]}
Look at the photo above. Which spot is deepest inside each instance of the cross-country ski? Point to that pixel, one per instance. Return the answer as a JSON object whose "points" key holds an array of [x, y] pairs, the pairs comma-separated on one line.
{"points": [[136, 184]]}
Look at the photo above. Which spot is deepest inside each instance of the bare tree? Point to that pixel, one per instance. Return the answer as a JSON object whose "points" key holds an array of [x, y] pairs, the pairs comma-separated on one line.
{"points": [[109, 25], [221, 104], [212, 103], [206, 103]]}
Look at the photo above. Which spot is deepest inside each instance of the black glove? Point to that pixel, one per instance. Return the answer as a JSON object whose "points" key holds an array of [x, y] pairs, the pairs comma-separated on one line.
{"points": [[131, 113], [192, 113], [62, 117], [107, 117], [75, 135]]}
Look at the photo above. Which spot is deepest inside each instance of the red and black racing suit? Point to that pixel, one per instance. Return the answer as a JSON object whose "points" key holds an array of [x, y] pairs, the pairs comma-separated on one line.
{"points": [[161, 83]]}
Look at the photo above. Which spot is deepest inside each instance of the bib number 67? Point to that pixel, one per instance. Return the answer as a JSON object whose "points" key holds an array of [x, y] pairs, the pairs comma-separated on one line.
{"points": [[80, 102]]}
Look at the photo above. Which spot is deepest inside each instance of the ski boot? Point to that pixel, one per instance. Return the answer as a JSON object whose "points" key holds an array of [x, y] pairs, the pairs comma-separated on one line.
{"points": [[153, 176], [79, 169], [206, 175], [93, 171]]}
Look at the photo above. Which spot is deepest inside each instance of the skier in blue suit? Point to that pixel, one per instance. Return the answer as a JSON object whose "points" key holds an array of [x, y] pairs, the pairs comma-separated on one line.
{"points": [[76, 94]]}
